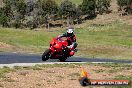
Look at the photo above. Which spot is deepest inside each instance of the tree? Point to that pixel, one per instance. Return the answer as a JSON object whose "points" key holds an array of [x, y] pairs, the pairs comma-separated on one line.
{"points": [[103, 6], [32, 13], [88, 7], [7, 12], [48, 8], [122, 2], [14, 12], [125, 6], [3, 17], [19, 12], [68, 10], [77, 15], [21, 7]]}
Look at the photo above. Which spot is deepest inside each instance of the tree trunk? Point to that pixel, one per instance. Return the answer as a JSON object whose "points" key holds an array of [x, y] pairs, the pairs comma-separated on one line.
{"points": [[48, 21], [48, 26], [68, 21]]}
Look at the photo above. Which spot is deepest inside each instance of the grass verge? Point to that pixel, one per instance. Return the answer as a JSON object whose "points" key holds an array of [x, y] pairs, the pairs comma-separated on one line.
{"points": [[112, 40]]}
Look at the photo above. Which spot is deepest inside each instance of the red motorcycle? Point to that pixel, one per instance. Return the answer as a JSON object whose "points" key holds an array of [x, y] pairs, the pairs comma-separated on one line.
{"points": [[58, 50]]}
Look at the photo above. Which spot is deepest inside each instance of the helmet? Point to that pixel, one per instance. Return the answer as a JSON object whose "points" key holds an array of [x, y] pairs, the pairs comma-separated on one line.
{"points": [[70, 31]]}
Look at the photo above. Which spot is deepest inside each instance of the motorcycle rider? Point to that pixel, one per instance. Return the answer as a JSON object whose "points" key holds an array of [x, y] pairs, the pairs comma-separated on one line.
{"points": [[71, 39]]}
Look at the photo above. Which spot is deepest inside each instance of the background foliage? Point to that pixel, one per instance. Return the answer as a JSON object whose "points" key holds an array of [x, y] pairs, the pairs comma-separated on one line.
{"points": [[49, 13]]}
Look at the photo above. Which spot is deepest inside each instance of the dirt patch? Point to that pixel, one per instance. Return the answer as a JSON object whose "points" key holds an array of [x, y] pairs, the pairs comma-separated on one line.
{"points": [[57, 77], [4, 45]]}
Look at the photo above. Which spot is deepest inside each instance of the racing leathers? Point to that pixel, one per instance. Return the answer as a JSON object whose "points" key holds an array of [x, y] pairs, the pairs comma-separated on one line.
{"points": [[71, 39]]}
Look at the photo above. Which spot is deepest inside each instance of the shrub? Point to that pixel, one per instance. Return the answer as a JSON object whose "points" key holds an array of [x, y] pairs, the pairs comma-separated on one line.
{"points": [[88, 7], [125, 6], [103, 6]]}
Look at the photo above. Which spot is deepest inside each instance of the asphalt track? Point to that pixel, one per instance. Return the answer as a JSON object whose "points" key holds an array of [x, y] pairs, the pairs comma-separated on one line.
{"points": [[11, 58]]}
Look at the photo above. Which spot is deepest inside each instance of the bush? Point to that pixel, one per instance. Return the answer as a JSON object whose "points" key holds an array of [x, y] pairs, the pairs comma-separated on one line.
{"points": [[103, 6], [88, 7], [122, 2], [67, 8], [48, 7], [7, 13], [3, 17], [125, 6], [34, 13], [69, 11]]}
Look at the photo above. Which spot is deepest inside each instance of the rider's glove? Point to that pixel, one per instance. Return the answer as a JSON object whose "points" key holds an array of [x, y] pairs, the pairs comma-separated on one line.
{"points": [[58, 38], [69, 47]]}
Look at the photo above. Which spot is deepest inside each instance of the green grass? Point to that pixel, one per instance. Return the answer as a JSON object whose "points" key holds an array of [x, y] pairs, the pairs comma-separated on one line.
{"points": [[41, 67], [26, 40], [108, 41]]}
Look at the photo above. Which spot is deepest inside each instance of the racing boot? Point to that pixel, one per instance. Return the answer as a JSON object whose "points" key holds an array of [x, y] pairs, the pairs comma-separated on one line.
{"points": [[72, 53], [72, 49]]}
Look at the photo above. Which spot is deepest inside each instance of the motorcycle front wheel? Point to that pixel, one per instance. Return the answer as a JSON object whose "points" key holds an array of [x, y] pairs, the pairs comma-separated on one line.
{"points": [[46, 55]]}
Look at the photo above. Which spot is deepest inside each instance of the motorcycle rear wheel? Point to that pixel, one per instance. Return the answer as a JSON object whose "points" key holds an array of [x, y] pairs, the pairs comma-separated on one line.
{"points": [[46, 55], [62, 59]]}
